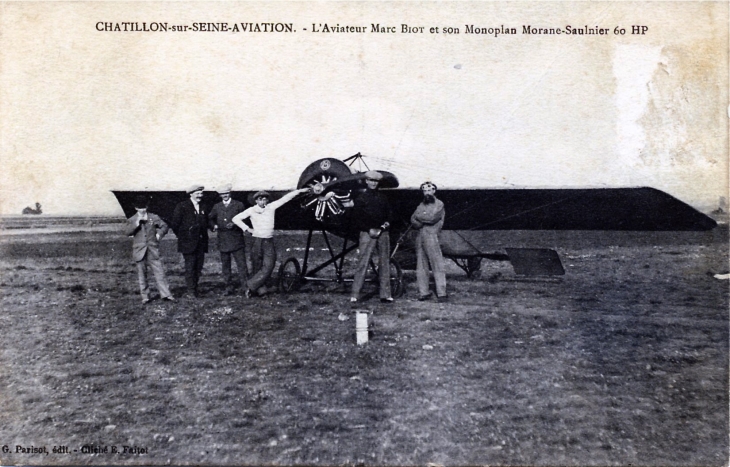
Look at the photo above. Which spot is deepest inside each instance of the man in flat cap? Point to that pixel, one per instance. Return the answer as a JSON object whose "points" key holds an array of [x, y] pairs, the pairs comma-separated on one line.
{"points": [[230, 237], [147, 229], [190, 224], [371, 215], [263, 251], [428, 220]]}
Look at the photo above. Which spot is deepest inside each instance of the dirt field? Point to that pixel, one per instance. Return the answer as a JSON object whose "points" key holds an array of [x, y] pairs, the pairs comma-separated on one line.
{"points": [[624, 360]]}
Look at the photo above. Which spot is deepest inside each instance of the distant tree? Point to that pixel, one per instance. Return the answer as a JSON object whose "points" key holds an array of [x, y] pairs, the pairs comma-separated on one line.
{"points": [[722, 208], [37, 210]]}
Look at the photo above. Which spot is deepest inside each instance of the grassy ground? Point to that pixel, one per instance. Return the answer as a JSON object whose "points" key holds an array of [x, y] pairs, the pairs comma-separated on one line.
{"points": [[624, 360]]}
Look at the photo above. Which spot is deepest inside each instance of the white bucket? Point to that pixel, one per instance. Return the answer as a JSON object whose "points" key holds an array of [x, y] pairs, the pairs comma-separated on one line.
{"points": [[361, 327]]}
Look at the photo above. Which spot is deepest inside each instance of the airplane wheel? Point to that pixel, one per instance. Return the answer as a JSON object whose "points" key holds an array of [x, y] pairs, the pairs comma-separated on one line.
{"points": [[396, 279], [290, 275], [473, 266]]}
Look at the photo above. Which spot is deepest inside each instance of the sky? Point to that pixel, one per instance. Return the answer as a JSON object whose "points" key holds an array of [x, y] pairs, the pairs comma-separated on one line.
{"points": [[84, 112]]}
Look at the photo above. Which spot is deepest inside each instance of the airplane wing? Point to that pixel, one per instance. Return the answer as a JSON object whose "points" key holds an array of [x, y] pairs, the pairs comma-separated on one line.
{"points": [[288, 217], [643, 209]]}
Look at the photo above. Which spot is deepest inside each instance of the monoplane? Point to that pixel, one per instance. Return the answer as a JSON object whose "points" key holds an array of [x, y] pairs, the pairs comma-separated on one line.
{"points": [[333, 182]]}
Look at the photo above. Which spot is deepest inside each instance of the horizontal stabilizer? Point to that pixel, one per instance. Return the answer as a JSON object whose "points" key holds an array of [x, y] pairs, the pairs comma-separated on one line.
{"points": [[454, 244]]}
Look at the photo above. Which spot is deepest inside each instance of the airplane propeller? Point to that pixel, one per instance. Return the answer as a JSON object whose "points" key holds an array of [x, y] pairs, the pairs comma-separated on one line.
{"points": [[331, 182], [320, 176], [325, 204]]}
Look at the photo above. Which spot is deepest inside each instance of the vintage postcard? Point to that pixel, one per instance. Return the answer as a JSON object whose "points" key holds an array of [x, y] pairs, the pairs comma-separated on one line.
{"points": [[364, 233]]}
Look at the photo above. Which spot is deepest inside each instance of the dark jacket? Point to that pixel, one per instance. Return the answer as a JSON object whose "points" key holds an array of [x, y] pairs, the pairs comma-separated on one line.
{"points": [[230, 236], [371, 210], [190, 227]]}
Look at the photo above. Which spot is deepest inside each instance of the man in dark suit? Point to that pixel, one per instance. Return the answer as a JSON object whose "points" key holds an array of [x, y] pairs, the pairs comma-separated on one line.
{"points": [[190, 224], [230, 237]]}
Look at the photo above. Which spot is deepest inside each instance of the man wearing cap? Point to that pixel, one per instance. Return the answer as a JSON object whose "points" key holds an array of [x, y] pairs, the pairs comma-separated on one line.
{"points": [[263, 254], [190, 224], [428, 220], [230, 237], [371, 215], [147, 229]]}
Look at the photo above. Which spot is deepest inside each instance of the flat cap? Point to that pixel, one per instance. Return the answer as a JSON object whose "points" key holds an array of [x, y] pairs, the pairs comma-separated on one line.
{"points": [[225, 189], [262, 194], [373, 175], [194, 188]]}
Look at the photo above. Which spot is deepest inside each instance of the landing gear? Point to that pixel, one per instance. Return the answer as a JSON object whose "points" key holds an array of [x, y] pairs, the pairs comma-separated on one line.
{"points": [[293, 275], [396, 279], [470, 265], [473, 265]]}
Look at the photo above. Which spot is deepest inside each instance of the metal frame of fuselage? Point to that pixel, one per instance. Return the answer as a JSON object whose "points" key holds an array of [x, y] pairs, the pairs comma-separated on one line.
{"points": [[334, 258], [337, 260]]}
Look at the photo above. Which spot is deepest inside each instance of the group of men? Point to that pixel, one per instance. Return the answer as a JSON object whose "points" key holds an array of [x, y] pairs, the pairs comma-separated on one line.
{"points": [[370, 213]]}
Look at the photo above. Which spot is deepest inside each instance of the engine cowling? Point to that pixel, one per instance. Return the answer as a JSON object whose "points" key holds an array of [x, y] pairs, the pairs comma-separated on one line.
{"points": [[323, 171], [332, 183]]}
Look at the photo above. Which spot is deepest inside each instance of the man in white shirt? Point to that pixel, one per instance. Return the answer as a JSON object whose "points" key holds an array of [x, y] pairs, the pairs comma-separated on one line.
{"points": [[263, 251]]}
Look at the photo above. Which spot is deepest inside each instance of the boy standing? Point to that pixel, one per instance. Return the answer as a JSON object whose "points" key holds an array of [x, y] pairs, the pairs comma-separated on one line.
{"points": [[263, 254], [147, 229]]}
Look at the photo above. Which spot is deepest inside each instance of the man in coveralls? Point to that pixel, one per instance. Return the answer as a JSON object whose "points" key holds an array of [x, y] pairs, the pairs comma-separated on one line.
{"points": [[190, 225], [371, 215], [230, 237], [428, 220]]}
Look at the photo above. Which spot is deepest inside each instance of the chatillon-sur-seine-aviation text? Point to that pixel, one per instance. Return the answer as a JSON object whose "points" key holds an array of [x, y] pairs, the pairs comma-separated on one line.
{"points": [[373, 28]]}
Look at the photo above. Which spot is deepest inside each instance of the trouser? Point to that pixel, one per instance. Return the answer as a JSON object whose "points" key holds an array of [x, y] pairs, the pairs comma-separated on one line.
{"points": [[193, 268], [367, 246], [428, 250], [158, 271], [263, 258], [240, 257]]}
